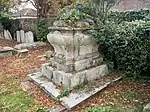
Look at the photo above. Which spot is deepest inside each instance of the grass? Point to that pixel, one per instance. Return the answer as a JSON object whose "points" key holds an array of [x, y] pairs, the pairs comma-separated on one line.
{"points": [[13, 99]]}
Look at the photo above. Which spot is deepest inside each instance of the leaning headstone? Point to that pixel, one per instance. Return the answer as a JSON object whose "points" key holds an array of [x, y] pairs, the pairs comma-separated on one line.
{"points": [[22, 35], [147, 108], [6, 36], [18, 36], [9, 35]]}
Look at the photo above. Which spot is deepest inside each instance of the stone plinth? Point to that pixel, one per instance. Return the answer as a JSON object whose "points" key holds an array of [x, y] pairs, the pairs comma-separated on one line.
{"points": [[6, 51], [76, 58]]}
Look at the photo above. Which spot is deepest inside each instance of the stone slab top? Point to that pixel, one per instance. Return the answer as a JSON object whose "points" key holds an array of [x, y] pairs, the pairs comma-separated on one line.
{"points": [[22, 50], [68, 28], [4, 49], [76, 96]]}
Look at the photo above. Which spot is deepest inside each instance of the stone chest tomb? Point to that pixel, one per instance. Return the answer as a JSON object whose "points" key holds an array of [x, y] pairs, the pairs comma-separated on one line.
{"points": [[75, 59]]}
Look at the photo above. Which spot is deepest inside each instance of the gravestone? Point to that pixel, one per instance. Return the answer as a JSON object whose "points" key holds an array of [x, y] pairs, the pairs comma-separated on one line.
{"points": [[26, 37], [18, 36], [29, 37], [6, 36], [9, 35], [22, 36]]}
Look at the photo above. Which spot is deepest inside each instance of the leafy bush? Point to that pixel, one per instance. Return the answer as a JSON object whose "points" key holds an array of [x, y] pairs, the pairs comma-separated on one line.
{"points": [[71, 14], [41, 30], [126, 44], [63, 93], [99, 109], [130, 16]]}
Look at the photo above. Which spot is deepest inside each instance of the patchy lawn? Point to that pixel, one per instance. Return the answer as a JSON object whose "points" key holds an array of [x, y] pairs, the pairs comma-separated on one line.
{"points": [[126, 96], [13, 99]]}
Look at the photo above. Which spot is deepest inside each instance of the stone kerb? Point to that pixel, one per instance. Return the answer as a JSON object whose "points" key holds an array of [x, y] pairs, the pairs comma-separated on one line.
{"points": [[76, 57]]}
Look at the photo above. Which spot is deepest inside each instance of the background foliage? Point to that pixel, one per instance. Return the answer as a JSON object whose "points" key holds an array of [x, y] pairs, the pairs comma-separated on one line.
{"points": [[129, 16], [125, 43], [41, 30], [5, 6]]}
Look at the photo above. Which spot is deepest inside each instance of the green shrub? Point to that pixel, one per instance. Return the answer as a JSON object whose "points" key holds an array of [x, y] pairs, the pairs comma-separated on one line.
{"points": [[63, 93], [41, 30], [125, 44], [99, 109], [129, 16], [71, 14]]}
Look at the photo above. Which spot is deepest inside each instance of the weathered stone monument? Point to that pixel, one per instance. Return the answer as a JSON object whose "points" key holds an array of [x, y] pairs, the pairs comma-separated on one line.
{"points": [[76, 57], [75, 60]]}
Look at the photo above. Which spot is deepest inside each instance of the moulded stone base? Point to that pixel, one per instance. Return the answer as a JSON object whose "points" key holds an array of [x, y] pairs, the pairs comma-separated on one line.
{"points": [[69, 80], [78, 65]]}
